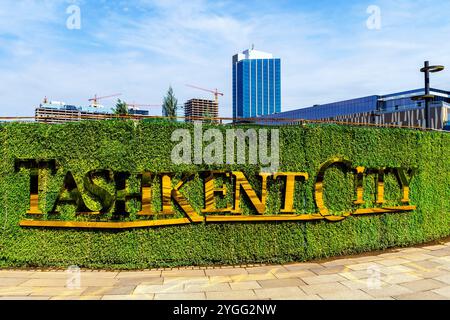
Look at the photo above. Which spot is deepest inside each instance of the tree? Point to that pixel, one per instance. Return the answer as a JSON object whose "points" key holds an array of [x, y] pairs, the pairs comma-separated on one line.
{"points": [[207, 117], [170, 105], [121, 108]]}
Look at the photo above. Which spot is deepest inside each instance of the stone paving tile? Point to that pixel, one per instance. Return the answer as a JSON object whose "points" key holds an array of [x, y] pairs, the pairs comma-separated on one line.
{"points": [[397, 278], [15, 291], [120, 290], [288, 293], [220, 279], [55, 291], [301, 266], [185, 280], [266, 269], [278, 283], [435, 247], [25, 298], [142, 280], [330, 270], [429, 274], [232, 295], [7, 282], [44, 283], [387, 291], [423, 285], [225, 272], [353, 275], [395, 269], [426, 295], [163, 288], [295, 274], [49, 275], [346, 295], [444, 291], [129, 297], [408, 273], [338, 262], [444, 278], [417, 256], [92, 282], [363, 259], [413, 250], [183, 273], [440, 253], [443, 261], [363, 284], [363, 266], [323, 279], [76, 298], [323, 288], [180, 296], [391, 255], [101, 275], [220, 287], [423, 265], [245, 285], [306, 297], [138, 274], [392, 262], [251, 277], [16, 274]]}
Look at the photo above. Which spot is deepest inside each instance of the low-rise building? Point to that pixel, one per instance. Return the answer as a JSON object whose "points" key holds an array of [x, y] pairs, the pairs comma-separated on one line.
{"points": [[398, 109]]}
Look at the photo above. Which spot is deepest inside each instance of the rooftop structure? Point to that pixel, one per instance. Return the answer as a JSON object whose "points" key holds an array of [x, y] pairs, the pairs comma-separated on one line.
{"points": [[393, 109]]}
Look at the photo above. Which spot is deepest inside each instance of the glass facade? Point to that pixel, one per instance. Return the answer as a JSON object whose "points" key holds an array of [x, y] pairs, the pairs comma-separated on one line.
{"points": [[256, 87], [381, 104], [334, 109]]}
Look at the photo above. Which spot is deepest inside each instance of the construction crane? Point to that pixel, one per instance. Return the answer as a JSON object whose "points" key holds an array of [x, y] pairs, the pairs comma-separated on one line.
{"points": [[215, 92], [95, 98], [136, 105]]}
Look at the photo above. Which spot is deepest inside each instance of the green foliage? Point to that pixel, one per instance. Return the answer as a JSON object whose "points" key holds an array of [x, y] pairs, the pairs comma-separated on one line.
{"points": [[128, 146], [121, 108], [170, 104]]}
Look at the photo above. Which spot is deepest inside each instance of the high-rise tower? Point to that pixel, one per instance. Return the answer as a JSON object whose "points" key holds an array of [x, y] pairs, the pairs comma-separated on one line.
{"points": [[256, 84]]}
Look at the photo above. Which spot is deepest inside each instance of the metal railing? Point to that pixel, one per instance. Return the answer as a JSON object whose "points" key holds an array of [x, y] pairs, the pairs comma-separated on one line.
{"points": [[55, 119]]}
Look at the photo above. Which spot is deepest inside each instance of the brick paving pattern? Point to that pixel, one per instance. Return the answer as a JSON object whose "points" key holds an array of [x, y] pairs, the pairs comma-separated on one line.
{"points": [[401, 274]]}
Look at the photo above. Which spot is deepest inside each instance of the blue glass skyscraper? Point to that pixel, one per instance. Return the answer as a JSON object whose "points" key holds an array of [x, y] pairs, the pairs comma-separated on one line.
{"points": [[256, 84]]}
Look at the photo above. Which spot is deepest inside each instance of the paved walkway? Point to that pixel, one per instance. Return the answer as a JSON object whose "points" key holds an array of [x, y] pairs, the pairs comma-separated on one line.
{"points": [[412, 273]]}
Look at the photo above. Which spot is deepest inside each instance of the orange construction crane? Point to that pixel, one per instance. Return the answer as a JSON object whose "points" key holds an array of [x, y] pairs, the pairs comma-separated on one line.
{"points": [[136, 105], [95, 98], [215, 92]]}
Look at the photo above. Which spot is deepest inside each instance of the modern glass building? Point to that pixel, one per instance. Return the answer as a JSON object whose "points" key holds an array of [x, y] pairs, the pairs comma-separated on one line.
{"points": [[256, 84], [393, 109]]}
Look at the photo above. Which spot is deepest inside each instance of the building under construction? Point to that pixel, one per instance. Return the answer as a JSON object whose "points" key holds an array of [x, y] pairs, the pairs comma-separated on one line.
{"points": [[57, 112], [197, 109]]}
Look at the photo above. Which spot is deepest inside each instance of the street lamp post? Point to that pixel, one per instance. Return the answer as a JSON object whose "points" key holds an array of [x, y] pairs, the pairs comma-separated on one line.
{"points": [[427, 69]]}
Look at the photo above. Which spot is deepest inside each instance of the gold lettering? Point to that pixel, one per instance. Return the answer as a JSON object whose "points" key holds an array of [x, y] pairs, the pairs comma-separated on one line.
{"points": [[242, 182], [405, 182], [35, 168], [146, 195], [210, 192], [319, 188], [380, 186], [360, 185], [290, 188], [169, 193]]}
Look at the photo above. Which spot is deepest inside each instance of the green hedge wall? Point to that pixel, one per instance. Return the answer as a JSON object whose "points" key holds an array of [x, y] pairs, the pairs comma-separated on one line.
{"points": [[130, 146]]}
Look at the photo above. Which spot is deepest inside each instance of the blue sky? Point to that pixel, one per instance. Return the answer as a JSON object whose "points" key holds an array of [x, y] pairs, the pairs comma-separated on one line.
{"points": [[140, 47]]}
